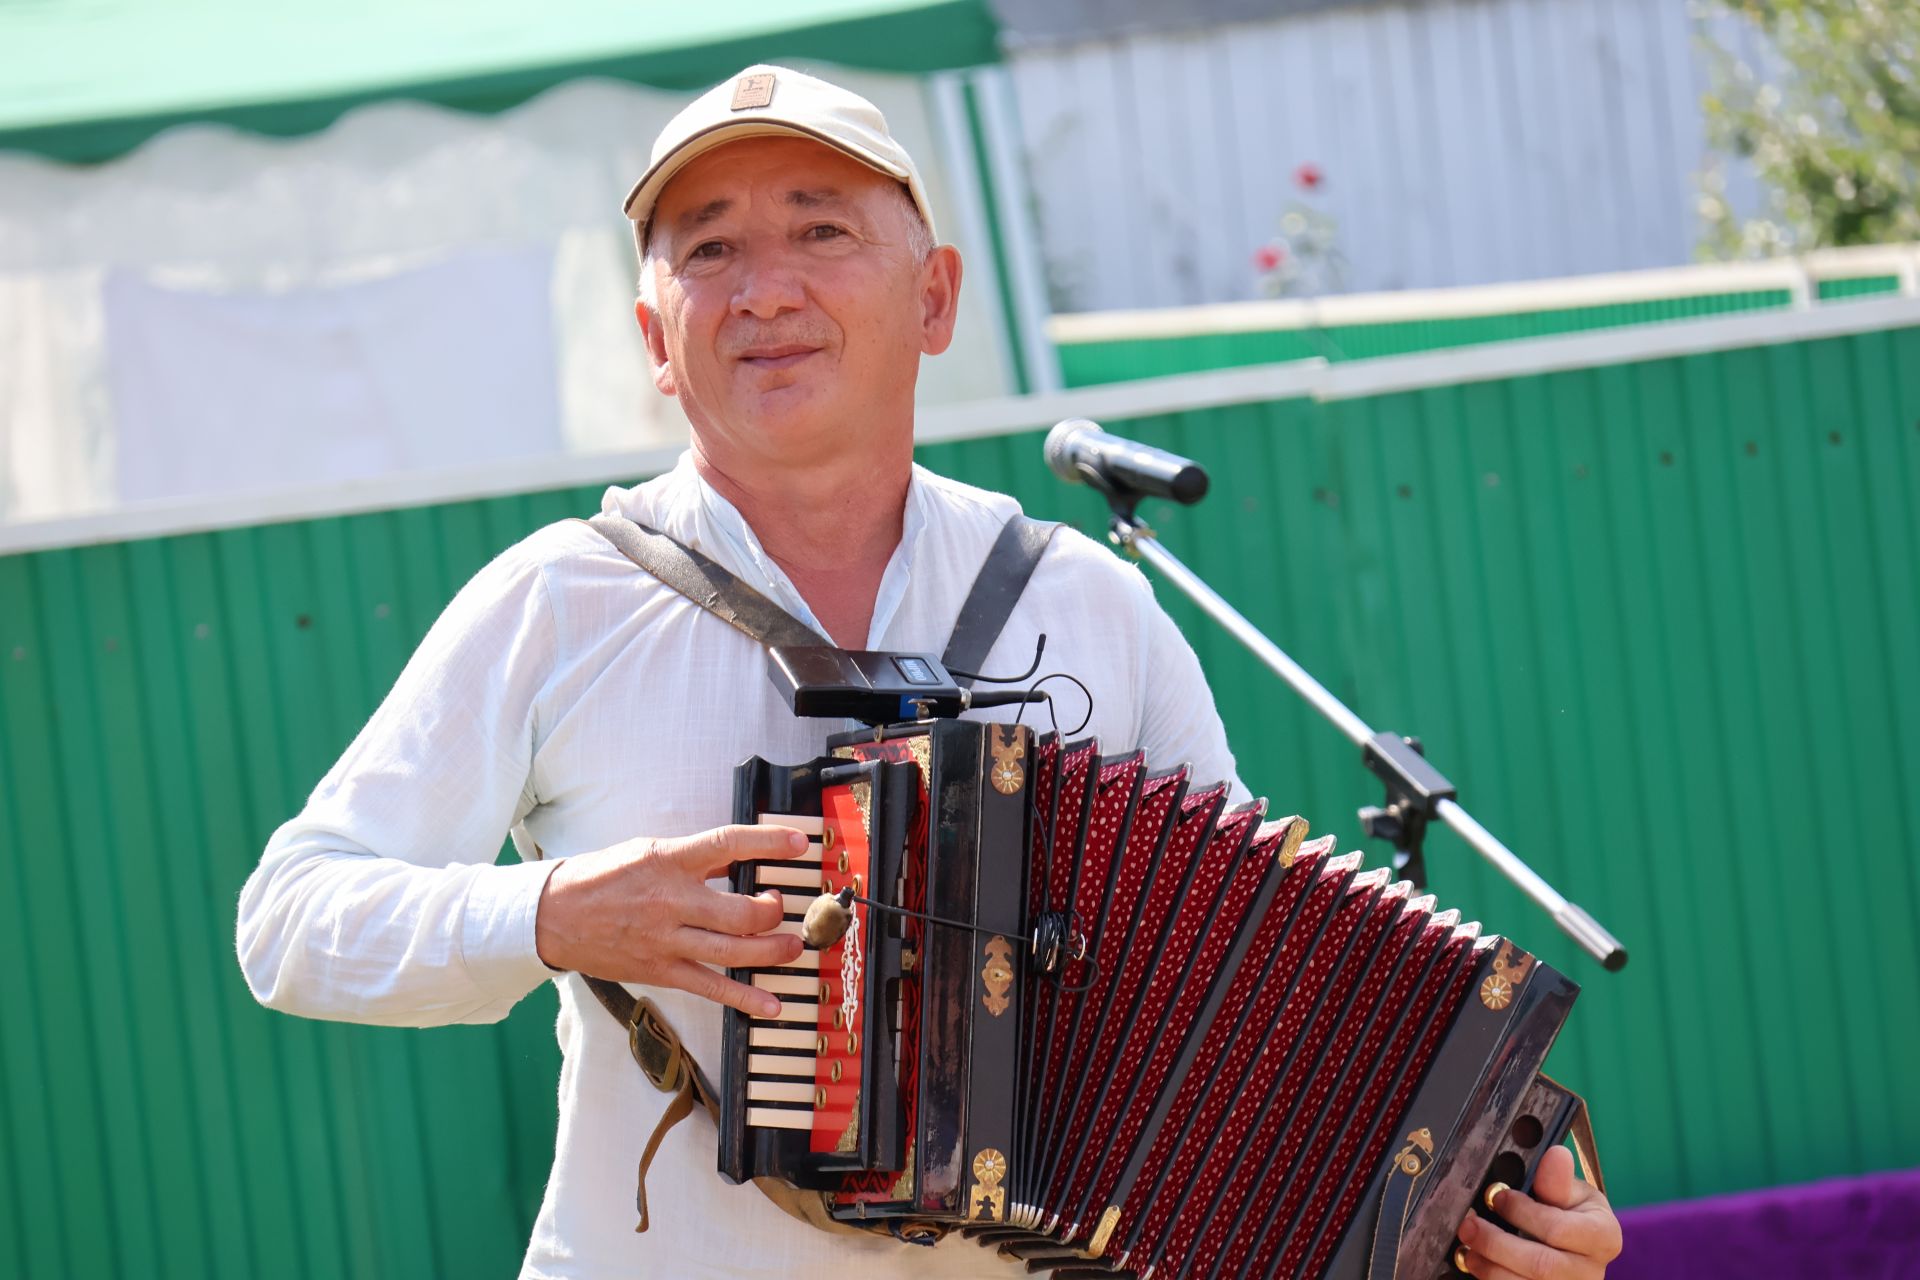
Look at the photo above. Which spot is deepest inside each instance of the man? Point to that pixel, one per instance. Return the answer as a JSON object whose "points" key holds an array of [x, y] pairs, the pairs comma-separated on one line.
{"points": [[790, 285]]}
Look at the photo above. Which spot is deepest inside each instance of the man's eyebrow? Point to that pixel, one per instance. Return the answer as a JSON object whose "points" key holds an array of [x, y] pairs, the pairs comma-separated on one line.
{"points": [[814, 197], [701, 216]]}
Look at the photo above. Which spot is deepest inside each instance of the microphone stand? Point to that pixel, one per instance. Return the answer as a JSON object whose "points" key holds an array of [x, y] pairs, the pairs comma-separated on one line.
{"points": [[1417, 793]]}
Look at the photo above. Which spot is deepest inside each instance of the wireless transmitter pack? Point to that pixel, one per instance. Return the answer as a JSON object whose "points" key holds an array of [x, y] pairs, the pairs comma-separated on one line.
{"points": [[873, 687]]}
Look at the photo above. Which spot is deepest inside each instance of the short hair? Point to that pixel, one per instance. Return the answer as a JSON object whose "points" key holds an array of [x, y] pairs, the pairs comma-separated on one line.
{"points": [[919, 243]]}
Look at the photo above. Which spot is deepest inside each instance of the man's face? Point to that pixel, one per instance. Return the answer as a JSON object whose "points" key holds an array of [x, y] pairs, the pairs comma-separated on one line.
{"points": [[792, 310]]}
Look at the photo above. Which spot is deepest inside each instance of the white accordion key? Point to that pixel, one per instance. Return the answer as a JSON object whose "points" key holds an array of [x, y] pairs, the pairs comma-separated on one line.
{"points": [[794, 1011], [765, 1037], [787, 984], [776, 1118], [780, 1091], [811, 825], [771, 875], [778, 1064]]}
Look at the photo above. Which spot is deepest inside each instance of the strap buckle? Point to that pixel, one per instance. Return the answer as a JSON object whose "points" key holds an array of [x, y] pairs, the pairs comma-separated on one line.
{"points": [[656, 1047]]}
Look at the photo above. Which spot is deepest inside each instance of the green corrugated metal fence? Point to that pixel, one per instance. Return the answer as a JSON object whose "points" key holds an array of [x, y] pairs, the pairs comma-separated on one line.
{"points": [[1659, 621], [1087, 363]]}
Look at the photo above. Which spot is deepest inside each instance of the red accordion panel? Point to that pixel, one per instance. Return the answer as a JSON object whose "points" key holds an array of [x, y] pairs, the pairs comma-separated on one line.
{"points": [[886, 1187], [845, 859]]}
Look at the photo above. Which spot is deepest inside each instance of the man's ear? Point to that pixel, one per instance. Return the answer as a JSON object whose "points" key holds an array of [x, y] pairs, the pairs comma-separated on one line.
{"points": [[939, 299], [656, 348]]}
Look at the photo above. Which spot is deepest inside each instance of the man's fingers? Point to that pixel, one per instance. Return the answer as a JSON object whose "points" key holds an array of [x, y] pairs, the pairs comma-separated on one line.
{"points": [[708, 853], [763, 952], [719, 988], [736, 913], [1563, 1211], [1479, 1267], [1529, 1258]]}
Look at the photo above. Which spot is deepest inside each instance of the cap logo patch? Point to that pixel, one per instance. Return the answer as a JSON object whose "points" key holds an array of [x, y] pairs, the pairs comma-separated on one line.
{"points": [[753, 91]]}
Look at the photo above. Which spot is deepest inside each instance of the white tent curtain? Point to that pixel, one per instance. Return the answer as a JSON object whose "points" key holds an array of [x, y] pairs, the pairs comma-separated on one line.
{"points": [[397, 200]]}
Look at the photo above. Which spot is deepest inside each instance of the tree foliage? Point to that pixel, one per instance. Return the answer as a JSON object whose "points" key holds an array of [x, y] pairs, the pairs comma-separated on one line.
{"points": [[1829, 122]]}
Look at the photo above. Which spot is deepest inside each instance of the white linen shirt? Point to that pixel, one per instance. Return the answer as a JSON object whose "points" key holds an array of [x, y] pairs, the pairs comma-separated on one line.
{"points": [[570, 698]]}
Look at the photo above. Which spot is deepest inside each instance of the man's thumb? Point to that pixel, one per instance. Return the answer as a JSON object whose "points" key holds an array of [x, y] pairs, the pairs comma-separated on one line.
{"points": [[1553, 1180]]}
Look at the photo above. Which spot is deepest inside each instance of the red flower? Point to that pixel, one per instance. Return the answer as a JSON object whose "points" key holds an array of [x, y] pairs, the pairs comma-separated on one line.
{"points": [[1308, 176], [1268, 257]]}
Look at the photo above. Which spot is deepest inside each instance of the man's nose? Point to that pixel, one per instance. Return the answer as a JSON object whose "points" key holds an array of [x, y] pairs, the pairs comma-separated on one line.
{"points": [[768, 285]]}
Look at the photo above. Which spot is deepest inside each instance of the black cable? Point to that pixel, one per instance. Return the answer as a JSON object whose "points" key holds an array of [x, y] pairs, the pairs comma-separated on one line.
{"points": [[1038, 649]]}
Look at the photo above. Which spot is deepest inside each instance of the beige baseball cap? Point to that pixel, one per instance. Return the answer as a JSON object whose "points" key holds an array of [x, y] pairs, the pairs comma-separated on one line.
{"points": [[772, 100]]}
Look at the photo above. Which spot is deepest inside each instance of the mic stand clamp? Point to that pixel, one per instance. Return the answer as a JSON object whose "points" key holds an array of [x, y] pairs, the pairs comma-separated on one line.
{"points": [[1414, 792]]}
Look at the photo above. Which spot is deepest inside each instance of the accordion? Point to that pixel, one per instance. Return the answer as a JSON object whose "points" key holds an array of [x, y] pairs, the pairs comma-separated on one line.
{"points": [[1100, 1019]]}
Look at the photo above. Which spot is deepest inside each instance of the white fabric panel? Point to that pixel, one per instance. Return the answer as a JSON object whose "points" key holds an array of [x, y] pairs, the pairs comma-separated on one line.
{"points": [[56, 438], [390, 188], [232, 393]]}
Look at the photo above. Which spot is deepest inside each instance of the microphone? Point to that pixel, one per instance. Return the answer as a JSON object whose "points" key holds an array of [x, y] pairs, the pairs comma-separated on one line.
{"points": [[1079, 452]]}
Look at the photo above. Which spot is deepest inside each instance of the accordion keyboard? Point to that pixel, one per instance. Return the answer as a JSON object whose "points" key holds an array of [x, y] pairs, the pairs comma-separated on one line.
{"points": [[782, 1054]]}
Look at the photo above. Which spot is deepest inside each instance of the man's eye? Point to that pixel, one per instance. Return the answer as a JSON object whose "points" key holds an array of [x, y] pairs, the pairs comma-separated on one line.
{"points": [[825, 231], [708, 249]]}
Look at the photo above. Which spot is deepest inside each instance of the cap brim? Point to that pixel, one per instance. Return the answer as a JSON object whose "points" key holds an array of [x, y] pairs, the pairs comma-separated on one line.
{"points": [[640, 201]]}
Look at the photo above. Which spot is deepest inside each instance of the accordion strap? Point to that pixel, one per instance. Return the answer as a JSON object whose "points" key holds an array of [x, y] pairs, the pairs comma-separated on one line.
{"points": [[704, 582], [656, 1047], [1015, 555], [1410, 1165], [1580, 1133]]}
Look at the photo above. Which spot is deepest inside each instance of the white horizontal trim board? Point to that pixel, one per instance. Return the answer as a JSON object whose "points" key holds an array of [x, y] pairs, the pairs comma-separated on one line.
{"points": [[1798, 276], [1181, 393]]}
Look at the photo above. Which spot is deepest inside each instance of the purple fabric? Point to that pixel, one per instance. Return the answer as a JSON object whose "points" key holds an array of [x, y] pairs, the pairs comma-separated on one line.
{"points": [[1858, 1228]]}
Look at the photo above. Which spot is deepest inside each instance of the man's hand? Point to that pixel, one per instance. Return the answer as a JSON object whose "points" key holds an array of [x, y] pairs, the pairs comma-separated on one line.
{"points": [[1575, 1234], [642, 912]]}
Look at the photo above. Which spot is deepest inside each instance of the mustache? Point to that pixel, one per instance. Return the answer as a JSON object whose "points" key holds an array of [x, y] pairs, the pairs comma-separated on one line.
{"points": [[754, 335]]}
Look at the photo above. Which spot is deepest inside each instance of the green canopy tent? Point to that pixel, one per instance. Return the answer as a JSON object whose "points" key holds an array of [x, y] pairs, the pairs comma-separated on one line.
{"points": [[87, 83]]}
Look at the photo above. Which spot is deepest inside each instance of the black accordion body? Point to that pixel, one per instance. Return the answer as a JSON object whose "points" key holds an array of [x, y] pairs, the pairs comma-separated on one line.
{"points": [[1148, 1034]]}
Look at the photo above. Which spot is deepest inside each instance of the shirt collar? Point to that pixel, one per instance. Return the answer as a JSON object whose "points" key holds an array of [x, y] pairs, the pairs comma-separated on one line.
{"points": [[721, 531]]}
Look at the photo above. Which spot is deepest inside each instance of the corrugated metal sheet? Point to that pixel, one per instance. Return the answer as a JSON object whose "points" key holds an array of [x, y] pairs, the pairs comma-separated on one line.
{"points": [[1122, 360], [1659, 621], [1461, 142]]}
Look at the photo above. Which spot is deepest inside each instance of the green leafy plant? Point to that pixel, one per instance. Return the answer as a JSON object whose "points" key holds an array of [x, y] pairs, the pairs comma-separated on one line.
{"points": [[1830, 125]]}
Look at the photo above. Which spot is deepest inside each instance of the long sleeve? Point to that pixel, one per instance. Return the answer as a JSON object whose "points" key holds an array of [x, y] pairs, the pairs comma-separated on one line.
{"points": [[381, 902], [1178, 720]]}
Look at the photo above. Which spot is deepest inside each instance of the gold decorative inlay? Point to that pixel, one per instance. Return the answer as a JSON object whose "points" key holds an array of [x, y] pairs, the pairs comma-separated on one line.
{"points": [[903, 1185], [1407, 1161], [853, 1043], [862, 792], [1511, 966], [1109, 1219], [1009, 748], [820, 1098], [834, 1074], [826, 992], [1290, 842], [850, 1136], [997, 974], [988, 1203], [821, 1046]]}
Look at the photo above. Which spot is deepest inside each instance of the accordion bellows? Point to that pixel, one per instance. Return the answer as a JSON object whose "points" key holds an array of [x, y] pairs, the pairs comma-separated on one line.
{"points": [[1145, 1031]]}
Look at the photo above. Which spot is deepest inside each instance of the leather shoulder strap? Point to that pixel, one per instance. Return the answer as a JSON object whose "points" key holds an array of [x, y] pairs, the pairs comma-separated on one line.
{"points": [[1009, 565], [704, 582]]}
